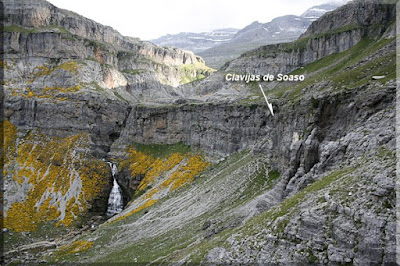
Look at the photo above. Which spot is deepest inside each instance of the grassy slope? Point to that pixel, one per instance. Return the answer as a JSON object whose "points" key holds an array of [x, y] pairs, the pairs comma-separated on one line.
{"points": [[172, 239], [187, 241], [337, 183], [332, 69]]}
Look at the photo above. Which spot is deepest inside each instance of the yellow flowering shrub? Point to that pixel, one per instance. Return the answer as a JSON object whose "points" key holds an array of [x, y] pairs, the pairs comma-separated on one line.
{"points": [[9, 137], [48, 92], [158, 167], [70, 66], [165, 173], [186, 172], [20, 217], [50, 165], [53, 90], [147, 204], [93, 180], [45, 70], [75, 247], [139, 163]]}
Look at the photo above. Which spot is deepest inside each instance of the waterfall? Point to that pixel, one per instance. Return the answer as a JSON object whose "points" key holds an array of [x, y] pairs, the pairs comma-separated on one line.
{"points": [[115, 202]]}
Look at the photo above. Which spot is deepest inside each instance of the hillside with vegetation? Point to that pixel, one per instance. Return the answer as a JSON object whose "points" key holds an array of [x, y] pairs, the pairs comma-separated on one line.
{"points": [[206, 172]]}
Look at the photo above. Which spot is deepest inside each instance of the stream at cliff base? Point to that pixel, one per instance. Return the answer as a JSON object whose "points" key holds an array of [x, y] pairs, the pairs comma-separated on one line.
{"points": [[115, 201]]}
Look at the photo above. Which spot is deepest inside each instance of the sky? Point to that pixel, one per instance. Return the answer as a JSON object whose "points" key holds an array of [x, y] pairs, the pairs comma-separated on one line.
{"points": [[150, 19]]}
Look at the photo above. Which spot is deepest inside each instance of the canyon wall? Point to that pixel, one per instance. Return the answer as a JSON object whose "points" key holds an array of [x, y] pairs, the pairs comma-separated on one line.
{"points": [[334, 32]]}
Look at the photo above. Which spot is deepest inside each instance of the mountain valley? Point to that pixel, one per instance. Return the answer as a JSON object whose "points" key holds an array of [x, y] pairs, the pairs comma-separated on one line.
{"points": [[206, 173]]}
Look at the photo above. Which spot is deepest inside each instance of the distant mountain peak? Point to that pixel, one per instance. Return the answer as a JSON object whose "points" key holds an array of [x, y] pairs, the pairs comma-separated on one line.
{"points": [[196, 42], [317, 11], [215, 46]]}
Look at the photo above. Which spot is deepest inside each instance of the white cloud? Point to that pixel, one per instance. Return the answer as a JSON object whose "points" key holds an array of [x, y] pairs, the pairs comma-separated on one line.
{"points": [[153, 18]]}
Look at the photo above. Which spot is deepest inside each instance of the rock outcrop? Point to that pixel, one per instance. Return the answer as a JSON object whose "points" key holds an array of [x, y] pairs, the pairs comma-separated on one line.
{"points": [[333, 201], [357, 13], [334, 32], [39, 30], [284, 58], [279, 30], [69, 84], [196, 42], [313, 184]]}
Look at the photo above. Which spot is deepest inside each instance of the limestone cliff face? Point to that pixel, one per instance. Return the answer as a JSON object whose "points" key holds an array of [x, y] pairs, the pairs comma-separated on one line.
{"points": [[356, 13], [220, 130], [334, 32], [43, 16], [83, 71], [103, 119], [72, 89], [69, 83], [284, 58], [40, 30], [328, 205]]}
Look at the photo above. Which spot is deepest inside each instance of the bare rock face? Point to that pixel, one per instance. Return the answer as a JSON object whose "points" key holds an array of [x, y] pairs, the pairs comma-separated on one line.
{"points": [[40, 14], [196, 42], [60, 62], [357, 14], [279, 30], [69, 83], [333, 203], [325, 161], [334, 32], [39, 29], [283, 58]]}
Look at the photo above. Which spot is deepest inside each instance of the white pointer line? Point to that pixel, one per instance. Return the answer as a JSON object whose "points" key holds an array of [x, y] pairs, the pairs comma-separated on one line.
{"points": [[268, 104]]}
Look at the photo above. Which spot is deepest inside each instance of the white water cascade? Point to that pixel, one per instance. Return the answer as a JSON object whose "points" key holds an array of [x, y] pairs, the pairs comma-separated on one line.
{"points": [[115, 202]]}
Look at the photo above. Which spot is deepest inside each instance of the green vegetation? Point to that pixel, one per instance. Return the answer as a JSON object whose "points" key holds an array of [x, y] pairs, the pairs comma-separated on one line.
{"points": [[298, 45], [97, 86], [162, 150], [119, 96], [258, 183], [199, 251], [273, 175], [311, 258], [173, 243], [133, 71], [384, 153], [45, 230], [91, 58], [290, 205], [59, 28], [342, 70], [150, 249], [95, 44], [361, 75], [16, 28], [193, 72], [76, 247]]}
